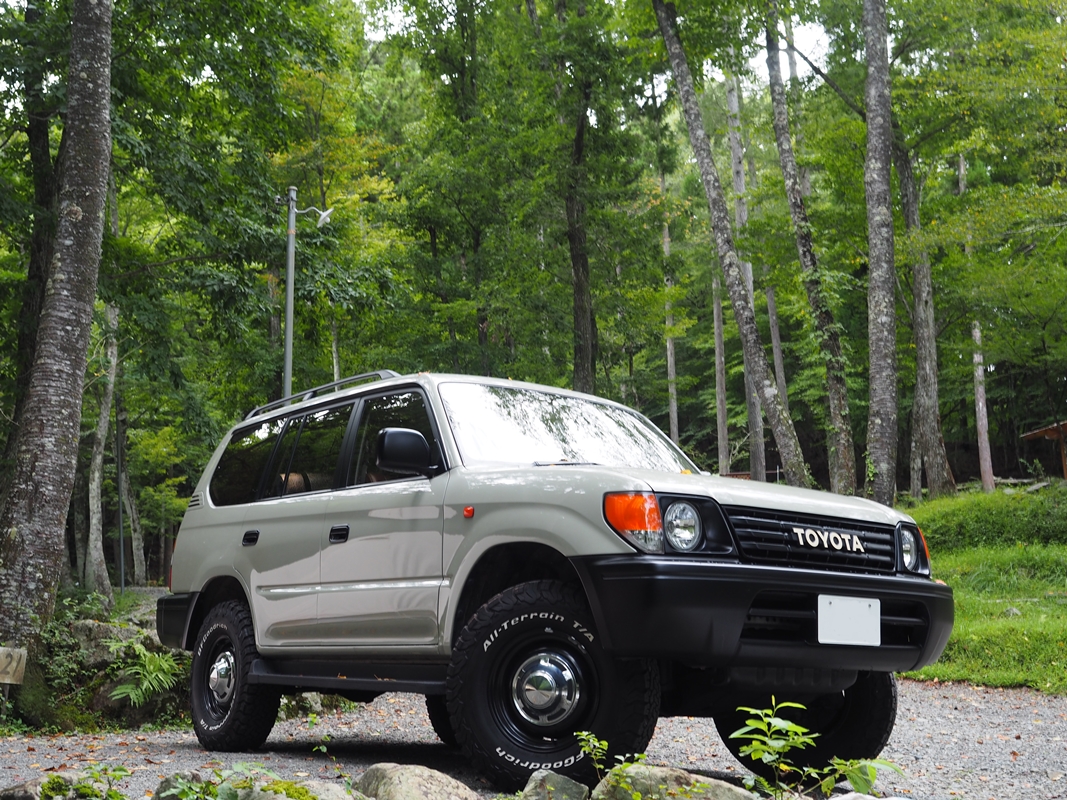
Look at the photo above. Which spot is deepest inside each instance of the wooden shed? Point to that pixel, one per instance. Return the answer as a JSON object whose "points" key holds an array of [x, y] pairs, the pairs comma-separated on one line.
{"points": [[1056, 431]]}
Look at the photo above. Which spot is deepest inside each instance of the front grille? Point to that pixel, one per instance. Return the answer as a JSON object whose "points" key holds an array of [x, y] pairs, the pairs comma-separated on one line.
{"points": [[768, 537], [791, 617]]}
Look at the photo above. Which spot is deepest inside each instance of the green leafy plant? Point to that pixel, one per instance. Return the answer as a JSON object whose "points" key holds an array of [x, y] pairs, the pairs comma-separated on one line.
{"points": [[146, 673], [619, 776], [771, 737]]}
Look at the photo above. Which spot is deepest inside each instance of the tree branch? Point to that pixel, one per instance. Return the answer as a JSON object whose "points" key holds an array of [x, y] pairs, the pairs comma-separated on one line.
{"points": [[848, 101]]}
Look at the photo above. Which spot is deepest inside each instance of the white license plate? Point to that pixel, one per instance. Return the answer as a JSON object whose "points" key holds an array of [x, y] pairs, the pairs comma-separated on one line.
{"points": [[850, 620]]}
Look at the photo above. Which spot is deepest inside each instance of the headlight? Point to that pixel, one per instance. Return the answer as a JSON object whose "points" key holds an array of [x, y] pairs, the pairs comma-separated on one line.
{"points": [[909, 549], [681, 524], [913, 553]]}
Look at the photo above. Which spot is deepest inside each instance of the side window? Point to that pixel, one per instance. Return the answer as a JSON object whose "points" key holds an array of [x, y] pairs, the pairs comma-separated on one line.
{"points": [[314, 462], [237, 475], [404, 410]]}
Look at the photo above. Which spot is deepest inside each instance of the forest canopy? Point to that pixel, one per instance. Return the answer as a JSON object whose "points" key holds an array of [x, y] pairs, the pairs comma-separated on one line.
{"points": [[515, 193]]}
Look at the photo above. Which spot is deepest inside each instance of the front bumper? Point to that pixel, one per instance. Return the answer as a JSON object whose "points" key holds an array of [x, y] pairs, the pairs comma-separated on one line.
{"points": [[172, 618], [713, 613]]}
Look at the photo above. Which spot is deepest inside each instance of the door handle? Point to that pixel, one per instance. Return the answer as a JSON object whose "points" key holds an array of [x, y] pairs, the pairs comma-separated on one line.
{"points": [[338, 534], [250, 538]]}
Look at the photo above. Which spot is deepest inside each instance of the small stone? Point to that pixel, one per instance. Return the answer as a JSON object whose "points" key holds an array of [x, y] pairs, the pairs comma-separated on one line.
{"points": [[547, 785], [1012, 611]]}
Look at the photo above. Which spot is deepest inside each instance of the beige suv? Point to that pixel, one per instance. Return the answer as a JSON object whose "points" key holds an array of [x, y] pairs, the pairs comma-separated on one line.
{"points": [[536, 562]]}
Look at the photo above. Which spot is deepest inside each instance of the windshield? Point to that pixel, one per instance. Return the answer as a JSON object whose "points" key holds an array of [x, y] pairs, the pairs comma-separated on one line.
{"points": [[502, 425]]}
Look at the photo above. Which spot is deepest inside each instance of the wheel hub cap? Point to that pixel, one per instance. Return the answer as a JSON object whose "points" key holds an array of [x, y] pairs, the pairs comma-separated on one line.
{"points": [[545, 689], [221, 677]]}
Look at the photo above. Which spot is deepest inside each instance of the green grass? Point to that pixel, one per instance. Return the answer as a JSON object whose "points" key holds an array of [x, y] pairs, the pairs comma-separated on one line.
{"points": [[1011, 616]]}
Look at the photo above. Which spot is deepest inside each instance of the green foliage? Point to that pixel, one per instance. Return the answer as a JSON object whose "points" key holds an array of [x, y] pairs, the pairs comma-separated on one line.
{"points": [[227, 782], [144, 673], [771, 737], [977, 520], [1011, 617], [97, 784]]}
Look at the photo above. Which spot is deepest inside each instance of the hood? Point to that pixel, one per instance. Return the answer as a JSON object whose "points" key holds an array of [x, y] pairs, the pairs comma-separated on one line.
{"points": [[770, 496]]}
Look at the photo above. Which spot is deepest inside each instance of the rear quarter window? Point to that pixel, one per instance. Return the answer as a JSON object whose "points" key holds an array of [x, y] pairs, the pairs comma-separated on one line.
{"points": [[237, 476]]}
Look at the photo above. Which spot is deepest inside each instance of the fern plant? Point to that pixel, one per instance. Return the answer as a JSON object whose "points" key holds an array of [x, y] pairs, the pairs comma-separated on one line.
{"points": [[145, 673]]}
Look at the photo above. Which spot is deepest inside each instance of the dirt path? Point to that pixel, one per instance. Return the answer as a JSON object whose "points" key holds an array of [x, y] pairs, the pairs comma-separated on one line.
{"points": [[952, 740]]}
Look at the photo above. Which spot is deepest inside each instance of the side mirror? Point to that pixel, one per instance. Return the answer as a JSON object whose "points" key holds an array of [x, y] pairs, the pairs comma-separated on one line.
{"points": [[404, 451]]}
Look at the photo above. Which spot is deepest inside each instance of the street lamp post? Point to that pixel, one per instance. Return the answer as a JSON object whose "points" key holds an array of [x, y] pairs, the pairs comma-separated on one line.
{"points": [[290, 268]]}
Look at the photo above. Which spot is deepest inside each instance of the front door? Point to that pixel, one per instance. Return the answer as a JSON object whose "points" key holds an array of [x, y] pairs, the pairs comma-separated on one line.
{"points": [[381, 542]]}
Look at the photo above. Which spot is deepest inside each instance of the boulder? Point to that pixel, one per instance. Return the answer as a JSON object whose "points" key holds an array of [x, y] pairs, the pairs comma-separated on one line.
{"points": [[92, 637], [56, 786], [172, 783], [660, 783], [547, 785], [412, 782]]}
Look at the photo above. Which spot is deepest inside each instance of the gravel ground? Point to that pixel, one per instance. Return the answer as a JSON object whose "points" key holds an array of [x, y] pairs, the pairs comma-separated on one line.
{"points": [[952, 741]]}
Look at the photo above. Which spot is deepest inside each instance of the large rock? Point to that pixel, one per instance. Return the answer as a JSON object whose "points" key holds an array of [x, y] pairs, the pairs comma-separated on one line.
{"points": [[93, 636], [547, 785], [412, 782], [56, 786], [261, 788], [661, 783]]}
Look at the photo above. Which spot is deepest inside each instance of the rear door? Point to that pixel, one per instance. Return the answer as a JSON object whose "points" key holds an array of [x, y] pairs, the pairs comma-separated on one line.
{"points": [[279, 557], [381, 544]]}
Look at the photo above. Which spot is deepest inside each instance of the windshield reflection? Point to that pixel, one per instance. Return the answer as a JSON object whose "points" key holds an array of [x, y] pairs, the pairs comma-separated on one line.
{"points": [[503, 425]]}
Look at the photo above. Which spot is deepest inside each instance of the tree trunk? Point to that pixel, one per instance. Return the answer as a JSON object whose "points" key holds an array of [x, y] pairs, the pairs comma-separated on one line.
{"points": [[927, 416], [842, 456], [981, 416], [757, 452], [584, 345], [881, 301], [776, 339], [795, 92], [96, 577], [46, 175], [985, 459], [796, 471], [34, 506], [78, 506], [915, 462], [335, 349], [672, 371], [722, 420], [128, 496]]}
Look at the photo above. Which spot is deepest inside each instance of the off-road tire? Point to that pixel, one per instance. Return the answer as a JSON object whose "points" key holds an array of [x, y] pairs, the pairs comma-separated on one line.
{"points": [[854, 723], [244, 718], [489, 685], [437, 709]]}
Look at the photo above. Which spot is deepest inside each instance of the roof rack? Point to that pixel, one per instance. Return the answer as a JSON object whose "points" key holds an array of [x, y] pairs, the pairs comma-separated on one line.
{"points": [[379, 375]]}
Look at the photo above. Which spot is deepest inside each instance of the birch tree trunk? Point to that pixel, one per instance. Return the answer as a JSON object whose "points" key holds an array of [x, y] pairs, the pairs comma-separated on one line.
{"points": [[722, 421], [672, 370], [842, 457], [881, 301], [757, 452], [981, 416], [985, 459], [128, 497], [96, 577], [796, 470], [34, 506], [927, 417]]}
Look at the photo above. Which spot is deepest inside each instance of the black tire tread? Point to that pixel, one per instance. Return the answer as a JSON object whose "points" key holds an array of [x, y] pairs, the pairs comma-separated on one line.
{"points": [[437, 710], [862, 730], [255, 706], [640, 677]]}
